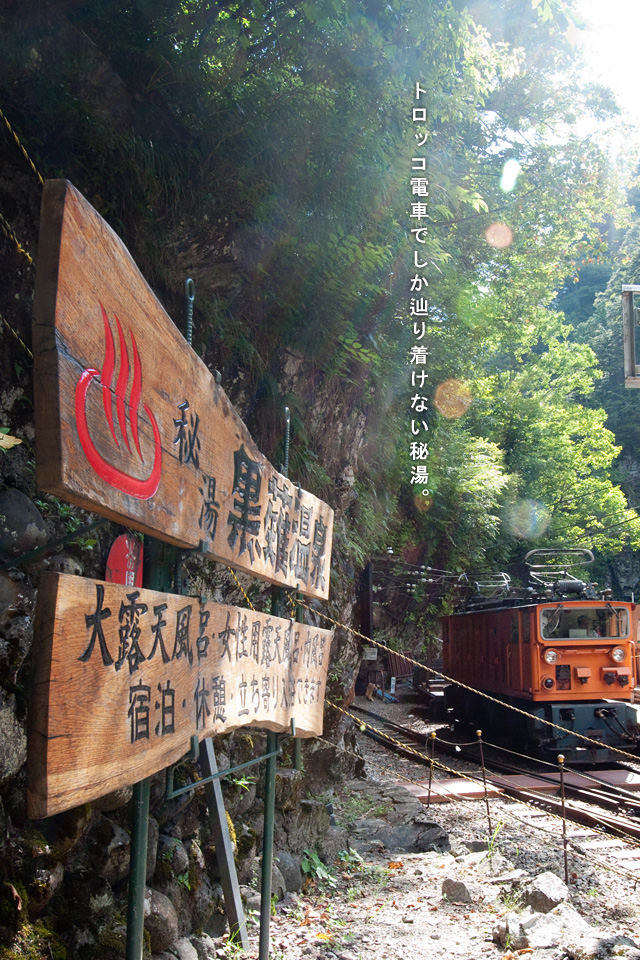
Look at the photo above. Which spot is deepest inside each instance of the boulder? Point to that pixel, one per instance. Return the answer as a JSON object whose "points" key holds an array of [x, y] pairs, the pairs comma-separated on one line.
{"points": [[202, 898], [456, 891], [160, 920], [109, 849], [21, 525], [152, 847], [204, 946], [278, 886], [508, 930], [545, 892], [65, 830], [12, 737], [493, 865], [114, 800], [602, 947], [289, 866], [417, 836], [172, 853], [476, 846], [335, 840], [185, 950], [46, 881], [551, 929], [251, 899]]}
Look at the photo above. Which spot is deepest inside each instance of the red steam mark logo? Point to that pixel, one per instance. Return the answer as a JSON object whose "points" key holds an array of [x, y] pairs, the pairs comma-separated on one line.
{"points": [[141, 489]]}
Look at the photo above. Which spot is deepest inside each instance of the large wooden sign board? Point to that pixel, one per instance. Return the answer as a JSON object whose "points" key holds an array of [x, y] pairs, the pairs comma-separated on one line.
{"points": [[131, 424], [125, 677]]}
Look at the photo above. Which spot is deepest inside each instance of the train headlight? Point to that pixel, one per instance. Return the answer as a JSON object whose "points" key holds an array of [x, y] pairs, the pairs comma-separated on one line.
{"points": [[618, 654], [547, 683], [550, 656]]}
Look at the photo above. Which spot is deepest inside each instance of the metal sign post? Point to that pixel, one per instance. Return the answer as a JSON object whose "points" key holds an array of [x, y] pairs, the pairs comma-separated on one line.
{"points": [[157, 563]]}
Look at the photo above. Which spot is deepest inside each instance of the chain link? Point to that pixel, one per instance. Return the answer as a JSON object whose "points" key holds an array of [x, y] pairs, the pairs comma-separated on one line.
{"points": [[461, 775], [7, 229], [243, 591], [19, 142], [16, 335]]}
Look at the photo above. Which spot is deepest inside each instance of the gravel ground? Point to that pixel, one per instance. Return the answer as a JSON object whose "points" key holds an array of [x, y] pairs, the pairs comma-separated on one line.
{"points": [[391, 904]]}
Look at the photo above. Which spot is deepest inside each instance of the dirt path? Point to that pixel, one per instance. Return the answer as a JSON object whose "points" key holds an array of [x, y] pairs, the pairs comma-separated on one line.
{"points": [[386, 904]]}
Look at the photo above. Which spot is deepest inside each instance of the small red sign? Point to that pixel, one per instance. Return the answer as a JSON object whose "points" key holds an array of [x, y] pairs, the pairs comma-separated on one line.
{"points": [[124, 563]]}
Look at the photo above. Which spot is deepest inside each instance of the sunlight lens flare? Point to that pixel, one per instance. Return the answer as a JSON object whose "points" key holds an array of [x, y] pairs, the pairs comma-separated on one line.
{"points": [[527, 519], [499, 235], [509, 176], [452, 399]]}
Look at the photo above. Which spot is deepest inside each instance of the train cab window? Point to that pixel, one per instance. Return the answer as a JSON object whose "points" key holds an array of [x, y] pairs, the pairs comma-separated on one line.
{"points": [[526, 627], [583, 623], [515, 629]]}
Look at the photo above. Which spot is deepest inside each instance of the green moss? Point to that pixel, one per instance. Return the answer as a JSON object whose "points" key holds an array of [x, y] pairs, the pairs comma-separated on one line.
{"points": [[245, 844], [232, 829], [164, 870], [10, 916], [111, 944], [32, 942]]}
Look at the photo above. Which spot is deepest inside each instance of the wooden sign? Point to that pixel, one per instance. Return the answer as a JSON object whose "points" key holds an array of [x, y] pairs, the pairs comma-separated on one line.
{"points": [[125, 677], [131, 424], [124, 563]]}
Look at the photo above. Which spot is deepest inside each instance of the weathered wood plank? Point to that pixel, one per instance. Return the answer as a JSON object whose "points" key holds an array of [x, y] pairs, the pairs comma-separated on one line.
{"points": [[125, 677], [131, 424]]}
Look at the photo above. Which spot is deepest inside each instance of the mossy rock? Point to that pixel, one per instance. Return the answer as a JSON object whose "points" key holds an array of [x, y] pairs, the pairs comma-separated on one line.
{"points": [[32, 942]]}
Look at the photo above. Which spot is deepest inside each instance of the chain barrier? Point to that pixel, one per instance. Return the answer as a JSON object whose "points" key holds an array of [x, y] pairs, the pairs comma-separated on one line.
{"points": [[22, 148], [480, 693], [242, 590], [8, 231], [16, 335], [456, 799]]}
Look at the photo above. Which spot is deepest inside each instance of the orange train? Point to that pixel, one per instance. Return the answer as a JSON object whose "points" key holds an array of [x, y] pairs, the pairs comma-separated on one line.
{"points": [[573, 662]]}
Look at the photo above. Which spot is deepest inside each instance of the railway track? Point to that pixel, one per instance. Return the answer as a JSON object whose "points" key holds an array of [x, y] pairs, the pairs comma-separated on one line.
{"points": [[602, 815]]}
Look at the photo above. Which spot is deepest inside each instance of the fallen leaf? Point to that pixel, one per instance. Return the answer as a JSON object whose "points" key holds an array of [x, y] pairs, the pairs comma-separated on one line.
{"points": [[395, 865], [17, 899], [7, 441]]}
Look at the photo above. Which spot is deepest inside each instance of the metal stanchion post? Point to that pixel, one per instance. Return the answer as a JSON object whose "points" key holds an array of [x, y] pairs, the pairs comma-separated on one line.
{"points": [[433, 745], [564, 821], [159, 561], [137, 872], [267, 846], [484, 780], [297, 742]]}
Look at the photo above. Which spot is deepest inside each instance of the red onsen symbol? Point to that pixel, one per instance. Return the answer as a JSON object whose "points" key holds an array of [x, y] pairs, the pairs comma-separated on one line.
{"points": [[141, 489]]}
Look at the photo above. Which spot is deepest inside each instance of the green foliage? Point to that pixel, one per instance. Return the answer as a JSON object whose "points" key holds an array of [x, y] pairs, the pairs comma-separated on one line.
{"points": [[267, 150], [351, 860], [314, 869], [243, 783], [32, 941]]}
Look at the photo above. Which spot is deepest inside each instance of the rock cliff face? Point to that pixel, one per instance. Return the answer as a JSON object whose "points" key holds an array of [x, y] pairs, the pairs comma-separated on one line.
{"points": [[63, 881]]}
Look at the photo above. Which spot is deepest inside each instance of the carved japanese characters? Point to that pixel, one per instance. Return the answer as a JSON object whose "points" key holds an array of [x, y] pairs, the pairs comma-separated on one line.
{"points": [[125, 677], [131, 424]]}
